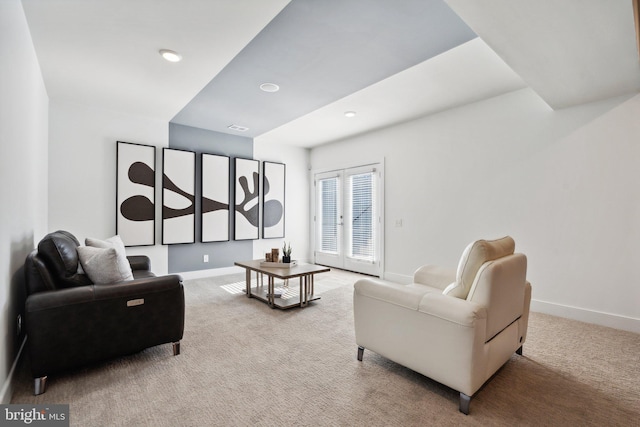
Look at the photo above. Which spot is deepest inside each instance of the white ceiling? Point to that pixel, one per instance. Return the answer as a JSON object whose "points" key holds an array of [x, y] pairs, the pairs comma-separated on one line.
{"points": [[104, 53], [569, 51]]}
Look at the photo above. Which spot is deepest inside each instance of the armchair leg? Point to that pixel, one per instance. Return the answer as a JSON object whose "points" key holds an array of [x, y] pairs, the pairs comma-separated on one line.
{"points": [[39, 385], [360, 353], [519, 351], [465, 401], [176, 348]]}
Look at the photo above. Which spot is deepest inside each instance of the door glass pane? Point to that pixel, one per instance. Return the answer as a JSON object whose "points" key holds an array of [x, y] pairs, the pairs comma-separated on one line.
{"points": [[328, 201], [363, 224]]}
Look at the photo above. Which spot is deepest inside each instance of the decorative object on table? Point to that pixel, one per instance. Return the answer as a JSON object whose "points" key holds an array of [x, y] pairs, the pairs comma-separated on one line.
{"points": [[286, 252], [277, 264], [247, 206], [267, 257], [214, 198], [275, 254], [136, 190], [178, 196], [273, 191]]}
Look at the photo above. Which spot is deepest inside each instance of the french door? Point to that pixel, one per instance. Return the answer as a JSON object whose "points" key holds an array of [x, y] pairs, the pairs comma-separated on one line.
{"points": [[348, 223]]}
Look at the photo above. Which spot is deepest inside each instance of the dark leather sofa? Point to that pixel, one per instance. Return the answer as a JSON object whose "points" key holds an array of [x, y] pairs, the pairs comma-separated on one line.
{"points": [[71, 322]]}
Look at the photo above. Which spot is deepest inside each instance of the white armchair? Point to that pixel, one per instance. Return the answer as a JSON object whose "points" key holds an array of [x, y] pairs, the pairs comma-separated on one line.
{"points": [[457, 328]]}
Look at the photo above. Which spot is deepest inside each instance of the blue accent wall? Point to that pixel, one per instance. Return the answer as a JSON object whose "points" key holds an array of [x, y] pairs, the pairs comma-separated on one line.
{"points": [[189, 257]]}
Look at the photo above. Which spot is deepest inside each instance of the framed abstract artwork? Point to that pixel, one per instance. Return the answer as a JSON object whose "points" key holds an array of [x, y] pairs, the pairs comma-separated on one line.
{"points": [[178, 196], [273, 190], [247, 203], [214, 198], [135, 193]]}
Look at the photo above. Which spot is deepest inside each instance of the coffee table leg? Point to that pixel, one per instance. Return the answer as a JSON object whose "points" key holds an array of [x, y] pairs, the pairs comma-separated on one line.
{"points": [[248, 282], [271, 292], [301, 297]]}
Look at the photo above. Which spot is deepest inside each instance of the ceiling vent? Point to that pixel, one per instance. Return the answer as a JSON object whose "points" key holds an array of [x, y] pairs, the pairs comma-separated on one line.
{"points": [[238, 128]]}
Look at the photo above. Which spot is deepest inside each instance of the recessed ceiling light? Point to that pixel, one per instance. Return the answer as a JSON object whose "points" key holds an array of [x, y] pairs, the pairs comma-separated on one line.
{"points": [[269, 87], [170, 55], [350, 114], [238, 128]]}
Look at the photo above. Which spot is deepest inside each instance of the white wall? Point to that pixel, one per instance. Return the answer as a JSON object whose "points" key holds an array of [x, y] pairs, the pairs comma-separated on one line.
{"points": [[564, 184], [296, 199], [23, 173], [82, 171]]}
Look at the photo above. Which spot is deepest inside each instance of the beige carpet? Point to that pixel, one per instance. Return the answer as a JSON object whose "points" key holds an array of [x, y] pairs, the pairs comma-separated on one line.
{"points": [[245, 364]]}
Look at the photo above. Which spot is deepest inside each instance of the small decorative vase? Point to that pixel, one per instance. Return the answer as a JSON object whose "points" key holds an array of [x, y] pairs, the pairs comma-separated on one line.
{"points": [[286, 259]]}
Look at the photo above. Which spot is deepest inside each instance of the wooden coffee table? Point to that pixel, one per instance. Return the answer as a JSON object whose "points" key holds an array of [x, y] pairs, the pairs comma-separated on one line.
{"points": [[305, 272]]}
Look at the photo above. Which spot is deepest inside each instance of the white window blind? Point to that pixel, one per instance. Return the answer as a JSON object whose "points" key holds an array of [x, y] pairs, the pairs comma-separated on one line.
{"points": [[363, 216], [329, 214]]}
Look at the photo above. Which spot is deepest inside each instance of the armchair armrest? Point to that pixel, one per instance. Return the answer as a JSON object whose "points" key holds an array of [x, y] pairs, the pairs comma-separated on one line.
{"points": [[435, 276], [425, 299], [407, 296], [456, 310], [139, 262]]}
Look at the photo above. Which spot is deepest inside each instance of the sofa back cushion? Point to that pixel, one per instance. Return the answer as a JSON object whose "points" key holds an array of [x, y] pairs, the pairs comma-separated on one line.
{"points": [[58, 251], [474, 255]]}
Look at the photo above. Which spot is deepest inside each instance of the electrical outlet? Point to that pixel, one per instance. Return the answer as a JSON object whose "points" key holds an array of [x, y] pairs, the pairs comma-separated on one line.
{"points": [[205, 258], [398, 222]]}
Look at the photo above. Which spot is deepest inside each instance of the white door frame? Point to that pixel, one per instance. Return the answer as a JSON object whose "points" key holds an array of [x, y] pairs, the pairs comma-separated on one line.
{"points": [[312, 191]]}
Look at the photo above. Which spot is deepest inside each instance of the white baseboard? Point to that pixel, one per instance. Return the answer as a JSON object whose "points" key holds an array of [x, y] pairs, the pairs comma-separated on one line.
{"points": [[199, 274], [7, 387], [589, 316]]}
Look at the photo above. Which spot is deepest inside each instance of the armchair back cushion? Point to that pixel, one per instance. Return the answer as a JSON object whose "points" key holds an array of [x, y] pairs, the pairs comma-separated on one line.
{"points": [[500, 287], [473, 257]]}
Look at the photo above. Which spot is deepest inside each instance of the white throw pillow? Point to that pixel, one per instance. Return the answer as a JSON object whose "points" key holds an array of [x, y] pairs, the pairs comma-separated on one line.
{"points": [[102, 265], [116, 243]]}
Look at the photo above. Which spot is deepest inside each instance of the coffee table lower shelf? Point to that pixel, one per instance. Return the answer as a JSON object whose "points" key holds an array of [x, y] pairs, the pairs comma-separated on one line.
{"points": [[303, 272], [290, 299]]}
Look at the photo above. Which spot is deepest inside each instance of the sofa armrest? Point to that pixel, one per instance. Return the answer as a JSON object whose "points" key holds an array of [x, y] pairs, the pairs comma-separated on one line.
{"points": [[132, 288], [434, 276], [139, 262], [102, 321], [85, 294]]}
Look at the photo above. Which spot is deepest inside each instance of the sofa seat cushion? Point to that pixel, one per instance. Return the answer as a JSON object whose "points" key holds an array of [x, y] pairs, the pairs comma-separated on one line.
{"points": [[142, 274]]}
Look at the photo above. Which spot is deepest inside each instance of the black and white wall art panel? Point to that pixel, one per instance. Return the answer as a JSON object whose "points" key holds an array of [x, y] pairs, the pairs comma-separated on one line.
{"points": [[135, 193], [214, 199], [178, 196], [273, 189], [247, 205]]}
